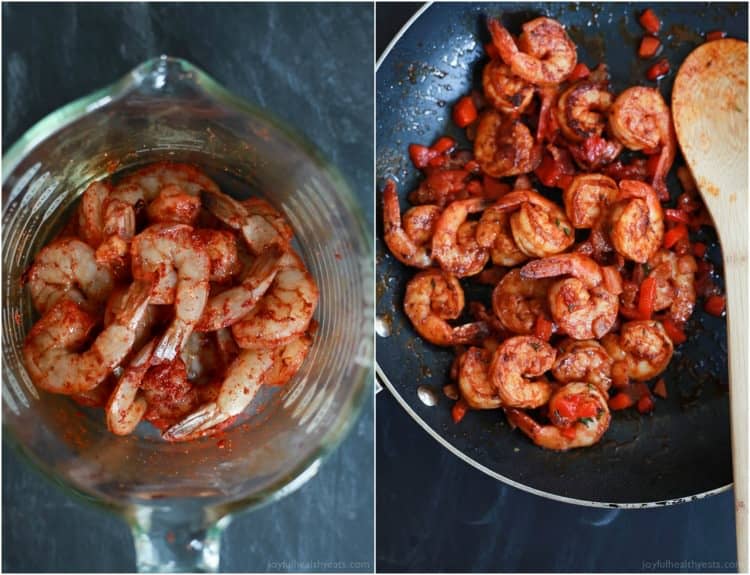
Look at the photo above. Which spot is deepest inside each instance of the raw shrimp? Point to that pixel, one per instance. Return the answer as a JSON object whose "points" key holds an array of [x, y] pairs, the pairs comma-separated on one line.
{"points": [[289, 359], [675, 283], [636, 221], [285, 310], [516, 366], [221, 248], [419, 223], [585, 361], [152, 316], [642, 346], [505, 146], [146, 183], [581, 111], [461, 258], [230, 306], [401, 245], [261, 225], [540, 227], [518, 301], [67, 268], [544, 56], [505, 91], [52, 349], [494, 233], [641, 120], [590, 418], [433, 297], [476, 387], [168, 394], [580, 305], [91, 213], [175, 261], [125, 408], [588, 198], [173, 205]]}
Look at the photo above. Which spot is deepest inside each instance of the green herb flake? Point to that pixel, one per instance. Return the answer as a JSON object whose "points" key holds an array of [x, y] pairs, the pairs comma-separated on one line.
{"points": [[646, 269], [567, 231], [585, 420]]}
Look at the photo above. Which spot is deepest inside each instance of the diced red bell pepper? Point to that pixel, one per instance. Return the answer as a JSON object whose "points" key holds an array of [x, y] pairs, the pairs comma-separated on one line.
{"points": [[472, 166], [421, 155], [647, 298], [621, 400], [699, 249], [580, 71], [436, 162], [715, 305], [444, 144], [715, 35], [658, 70], [650, 21], [652, 165], [645, 404], [677, 216], [465, 112], [543, 328], [649, 47], [675, 332], [674, 235], [459, 410], [660, 388]]}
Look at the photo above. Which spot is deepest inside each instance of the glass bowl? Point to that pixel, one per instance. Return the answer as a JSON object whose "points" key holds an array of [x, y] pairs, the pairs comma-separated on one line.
{"points": [[177, 497]]}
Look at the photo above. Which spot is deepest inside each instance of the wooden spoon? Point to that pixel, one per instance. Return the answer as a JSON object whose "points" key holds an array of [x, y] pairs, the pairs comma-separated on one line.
{"points": [[709, 107]]}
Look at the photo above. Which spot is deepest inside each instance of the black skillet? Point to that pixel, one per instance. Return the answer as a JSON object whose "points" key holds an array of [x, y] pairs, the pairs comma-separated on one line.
{"points": [[680, 452]]}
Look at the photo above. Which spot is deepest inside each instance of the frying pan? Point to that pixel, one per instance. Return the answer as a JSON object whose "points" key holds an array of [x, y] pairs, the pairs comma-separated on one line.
{"points": [[679, 453]]}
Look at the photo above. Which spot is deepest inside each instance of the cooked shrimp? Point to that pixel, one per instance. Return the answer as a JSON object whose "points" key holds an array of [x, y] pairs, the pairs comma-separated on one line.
{"points": [[505, 146], [442, 186], [432, 298], [494, 233], [401, 245], [285, 310], [221, 248], [505, 91], [591, 419], [540, 228], [516, 366], [175, 261], [641, 120], [642, 346], [173, 205], [461, 258], [230, 306], [419, 223], [125, 408], [67, 268], [587, 198], [52, 350], [544, 56], [518, 301], [261, 225], [585, 361], [580, 305], [675, 283], [636, 221], [476, 387], [581, 111]]}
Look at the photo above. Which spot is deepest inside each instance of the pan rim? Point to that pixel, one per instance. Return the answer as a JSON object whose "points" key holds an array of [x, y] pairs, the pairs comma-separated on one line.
{"points": [[383, 378]]}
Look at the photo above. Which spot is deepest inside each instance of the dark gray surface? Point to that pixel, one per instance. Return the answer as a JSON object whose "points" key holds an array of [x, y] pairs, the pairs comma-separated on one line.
{"points": [[312, 67], [436, 513]]}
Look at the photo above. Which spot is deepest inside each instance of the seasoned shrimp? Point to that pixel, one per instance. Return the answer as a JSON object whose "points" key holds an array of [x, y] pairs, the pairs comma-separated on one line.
{"points": [[432, 298], [636, 221], [285, 310], [289, 359], [586, 361], [91, 213], [168, 394], [540, 228], [419, 223], [67, 268], [643, 347], [580, 305], [407, 250], [516, 366], [145, 184], [544, 56], [152, 316], [461, 258], [175, 261], [580, 417], [641, 120], [477, 390], [505, 146], [581, 111], [173, 205], [587, 198], [221, 248], [52, 350], [230, 306], [494, 233], [261, 225], [675, 283], [505, 91], [125, 408], [518, 301]]}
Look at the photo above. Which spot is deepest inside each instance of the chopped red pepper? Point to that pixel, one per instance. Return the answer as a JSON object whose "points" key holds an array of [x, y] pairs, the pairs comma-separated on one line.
{"points": [[675, 332], [674, 235], [472, 166], [660, 388], [645, 404], [647, 298], [699, 249], [465, 112], [621, 400], [649, 47], [650, 21], [658, 70], [715, 35], [421, 155], [444, 144], [543, 328], [677, 216], [493, 188], [436, 162], [580, 71], [715, 305], [652, 165], [459, 410]]}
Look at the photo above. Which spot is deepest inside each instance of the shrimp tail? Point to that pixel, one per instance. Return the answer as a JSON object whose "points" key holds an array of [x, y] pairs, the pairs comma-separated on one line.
{"points": [[134, 307], [205, 418], [224, 207], [172, 341]]}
